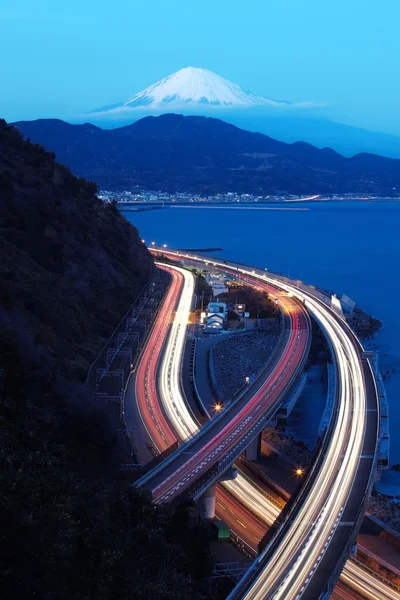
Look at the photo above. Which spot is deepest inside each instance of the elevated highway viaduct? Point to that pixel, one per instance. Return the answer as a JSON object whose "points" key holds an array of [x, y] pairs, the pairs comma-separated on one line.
{"points": [[242, 503], [307, 550], [204, 459]]}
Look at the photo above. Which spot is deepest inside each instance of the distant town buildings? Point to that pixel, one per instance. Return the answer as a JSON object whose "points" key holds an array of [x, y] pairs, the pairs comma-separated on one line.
{"points": [[142, 199]]}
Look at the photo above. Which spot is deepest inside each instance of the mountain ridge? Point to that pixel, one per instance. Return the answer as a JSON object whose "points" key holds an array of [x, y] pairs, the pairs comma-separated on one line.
{"points": [[202, 154], [191, 86]]}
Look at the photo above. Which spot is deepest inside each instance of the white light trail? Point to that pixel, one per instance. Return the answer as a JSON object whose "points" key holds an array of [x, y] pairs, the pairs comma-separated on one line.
{"points": [[365, 583], [174, 402], [170, 381], [310, 535]]}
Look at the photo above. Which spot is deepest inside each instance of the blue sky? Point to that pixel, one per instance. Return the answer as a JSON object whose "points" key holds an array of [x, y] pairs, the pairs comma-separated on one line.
{"points": [[64, 58]]}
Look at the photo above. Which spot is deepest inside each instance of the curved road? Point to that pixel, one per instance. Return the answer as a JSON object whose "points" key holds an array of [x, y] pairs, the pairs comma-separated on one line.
{"points": [[151, 414], [241, 504], [318, 530], [216, 444]]}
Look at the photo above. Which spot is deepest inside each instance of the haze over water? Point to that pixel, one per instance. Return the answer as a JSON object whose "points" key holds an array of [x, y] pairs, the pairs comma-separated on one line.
{"points": [[351, 248]]}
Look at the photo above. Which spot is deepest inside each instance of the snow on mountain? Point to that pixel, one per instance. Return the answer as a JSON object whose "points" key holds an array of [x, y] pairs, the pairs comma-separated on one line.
{"points": [[192, 87]]}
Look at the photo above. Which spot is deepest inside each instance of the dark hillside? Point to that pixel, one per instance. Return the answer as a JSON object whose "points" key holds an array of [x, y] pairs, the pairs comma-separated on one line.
{"points": [[70, 267]]}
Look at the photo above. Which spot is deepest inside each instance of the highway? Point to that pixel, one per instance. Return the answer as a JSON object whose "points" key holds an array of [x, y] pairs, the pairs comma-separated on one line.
{"points": [[240, 503], [356, 580], [229, 433], [182, 420], [153, 401], [295, 558], [312, 543], [366, 584], [322, 523], [254, 512], [149, 409], [250, 517], [171, 401]]}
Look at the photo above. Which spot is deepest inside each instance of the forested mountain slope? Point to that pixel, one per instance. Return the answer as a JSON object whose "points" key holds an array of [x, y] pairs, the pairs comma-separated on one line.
{"points": [[70, 268]]}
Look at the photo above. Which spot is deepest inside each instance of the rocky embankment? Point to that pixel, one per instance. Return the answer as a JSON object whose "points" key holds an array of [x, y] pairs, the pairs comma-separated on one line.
{"points": [[386, 509], [294, 450], [241, 355], [363, 324]]}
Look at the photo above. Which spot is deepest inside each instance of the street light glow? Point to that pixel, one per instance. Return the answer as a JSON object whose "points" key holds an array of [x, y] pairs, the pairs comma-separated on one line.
{"points": [[218, 407]]}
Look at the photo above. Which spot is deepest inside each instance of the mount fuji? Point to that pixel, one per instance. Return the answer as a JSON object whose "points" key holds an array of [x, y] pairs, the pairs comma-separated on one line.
{"points": [[189, 88], [196, 91]]}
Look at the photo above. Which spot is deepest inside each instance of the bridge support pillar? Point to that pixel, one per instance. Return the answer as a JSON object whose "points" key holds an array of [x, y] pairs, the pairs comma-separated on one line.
{"points": [[206, 504], [253, 450]]}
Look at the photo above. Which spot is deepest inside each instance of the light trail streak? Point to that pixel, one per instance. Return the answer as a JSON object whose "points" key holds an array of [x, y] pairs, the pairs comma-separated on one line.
{"points": [[172, 399], [314, 524], [174, 402], [145, 387], [366, 584], [219, 441], [310, 534]]}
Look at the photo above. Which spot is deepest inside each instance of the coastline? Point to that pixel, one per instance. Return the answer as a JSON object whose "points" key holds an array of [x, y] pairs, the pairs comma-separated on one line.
{"points": [[349, 247], [385, 500], [264, 204]]}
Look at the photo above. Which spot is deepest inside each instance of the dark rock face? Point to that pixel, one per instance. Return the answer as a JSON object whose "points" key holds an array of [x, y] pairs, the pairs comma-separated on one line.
{"points": [[205, 155]]}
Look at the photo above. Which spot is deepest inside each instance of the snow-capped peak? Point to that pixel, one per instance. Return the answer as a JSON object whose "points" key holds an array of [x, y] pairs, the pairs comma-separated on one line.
{"points": [[192, 86]]}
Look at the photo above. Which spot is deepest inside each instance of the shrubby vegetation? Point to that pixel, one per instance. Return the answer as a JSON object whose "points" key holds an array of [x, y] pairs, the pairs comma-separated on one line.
{"points": [[70, 265], [70, 268], [257, 302]]}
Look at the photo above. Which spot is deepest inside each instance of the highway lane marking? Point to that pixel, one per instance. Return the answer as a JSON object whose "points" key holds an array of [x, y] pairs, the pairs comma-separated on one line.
{"points": [[328, 538], [236, 431]]}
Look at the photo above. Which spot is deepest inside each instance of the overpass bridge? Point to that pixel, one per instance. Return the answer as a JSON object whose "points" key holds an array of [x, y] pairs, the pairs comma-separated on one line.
{"points": [[308, 548], [205, 459]]}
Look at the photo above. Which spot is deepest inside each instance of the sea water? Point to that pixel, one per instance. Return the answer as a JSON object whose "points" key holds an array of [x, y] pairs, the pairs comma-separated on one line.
{"points": [[348, 248]]}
